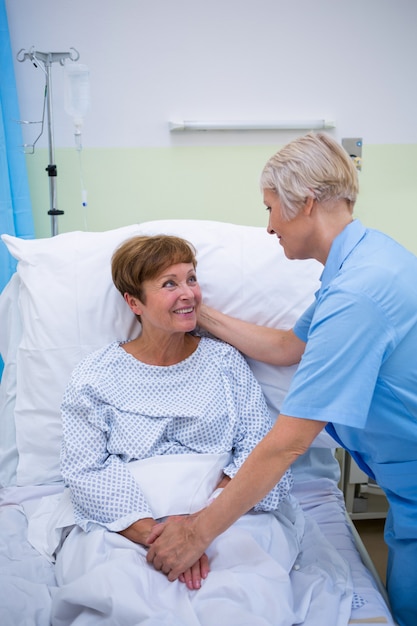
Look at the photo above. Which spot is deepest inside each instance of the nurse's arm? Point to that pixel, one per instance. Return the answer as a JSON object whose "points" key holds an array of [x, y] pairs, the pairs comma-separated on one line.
{"points": [[270, 345], [177, 544]]}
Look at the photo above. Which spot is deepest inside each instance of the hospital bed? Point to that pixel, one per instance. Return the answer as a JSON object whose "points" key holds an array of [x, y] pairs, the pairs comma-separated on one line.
{"points": [[59, 306]]}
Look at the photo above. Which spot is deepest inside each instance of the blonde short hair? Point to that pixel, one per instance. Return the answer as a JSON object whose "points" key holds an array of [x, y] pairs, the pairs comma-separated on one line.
{"points": [[144, 257], [311, 166]]}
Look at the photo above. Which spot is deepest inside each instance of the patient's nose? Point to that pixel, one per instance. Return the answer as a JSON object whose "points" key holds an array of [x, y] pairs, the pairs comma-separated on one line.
{"points": [[187, 291]]}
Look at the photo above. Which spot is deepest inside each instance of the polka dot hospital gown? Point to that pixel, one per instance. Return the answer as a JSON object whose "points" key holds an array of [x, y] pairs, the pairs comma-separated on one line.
{"points": [[117, 409]]}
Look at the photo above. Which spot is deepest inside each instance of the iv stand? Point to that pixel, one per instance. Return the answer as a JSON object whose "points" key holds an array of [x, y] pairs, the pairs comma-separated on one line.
{"points": [[46, 59]]}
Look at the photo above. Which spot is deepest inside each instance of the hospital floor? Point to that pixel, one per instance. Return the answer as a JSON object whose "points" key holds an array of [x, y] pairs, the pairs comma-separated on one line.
{"points": [[371, 532]]}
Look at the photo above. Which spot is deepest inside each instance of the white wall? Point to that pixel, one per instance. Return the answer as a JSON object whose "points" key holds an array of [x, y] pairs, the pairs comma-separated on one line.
{"points": [[156, 60]]}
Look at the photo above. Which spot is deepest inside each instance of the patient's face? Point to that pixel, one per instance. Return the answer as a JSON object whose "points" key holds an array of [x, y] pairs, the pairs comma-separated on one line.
{"points": [[172, 299]]}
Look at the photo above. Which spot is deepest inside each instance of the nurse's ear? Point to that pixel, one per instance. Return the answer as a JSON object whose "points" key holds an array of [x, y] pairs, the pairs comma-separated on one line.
{"points": [[133, 303], [308, 205]]}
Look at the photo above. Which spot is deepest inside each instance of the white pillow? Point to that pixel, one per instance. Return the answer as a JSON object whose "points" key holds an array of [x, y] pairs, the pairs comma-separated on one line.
{"points": [[70, 307], [10, 334]]}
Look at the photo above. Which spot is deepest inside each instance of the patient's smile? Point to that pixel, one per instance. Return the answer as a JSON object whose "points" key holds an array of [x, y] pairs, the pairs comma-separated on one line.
{"points": [[184, 311]]}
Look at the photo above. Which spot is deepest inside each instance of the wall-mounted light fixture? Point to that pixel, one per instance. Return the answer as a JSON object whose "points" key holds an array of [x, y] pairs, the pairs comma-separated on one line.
{"points": [[251, 125]]}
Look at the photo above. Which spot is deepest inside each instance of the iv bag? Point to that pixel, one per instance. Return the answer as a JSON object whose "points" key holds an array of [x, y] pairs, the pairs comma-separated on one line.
{"points": [[77, 90]]}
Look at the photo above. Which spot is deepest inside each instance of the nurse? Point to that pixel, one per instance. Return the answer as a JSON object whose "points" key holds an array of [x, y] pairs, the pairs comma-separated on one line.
{"points": [[356, 348]]}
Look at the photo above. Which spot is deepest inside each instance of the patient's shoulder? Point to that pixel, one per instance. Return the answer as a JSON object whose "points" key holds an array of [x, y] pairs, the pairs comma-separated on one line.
{"points": [[219, 348], [97, 359]]}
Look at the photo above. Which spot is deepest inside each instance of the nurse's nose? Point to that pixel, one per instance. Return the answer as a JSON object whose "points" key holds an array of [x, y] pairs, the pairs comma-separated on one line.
{"points": [[269, 228]]}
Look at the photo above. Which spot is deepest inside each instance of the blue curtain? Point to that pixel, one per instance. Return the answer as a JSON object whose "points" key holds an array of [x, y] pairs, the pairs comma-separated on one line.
{"points": [[15, 206]]}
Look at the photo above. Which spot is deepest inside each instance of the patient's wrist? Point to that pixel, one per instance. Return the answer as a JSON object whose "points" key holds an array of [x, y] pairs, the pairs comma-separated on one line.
{"points": [[139, 531]]}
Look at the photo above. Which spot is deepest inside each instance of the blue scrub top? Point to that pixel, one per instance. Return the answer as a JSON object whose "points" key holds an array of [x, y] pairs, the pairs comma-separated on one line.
{"points": [[359, 369]]}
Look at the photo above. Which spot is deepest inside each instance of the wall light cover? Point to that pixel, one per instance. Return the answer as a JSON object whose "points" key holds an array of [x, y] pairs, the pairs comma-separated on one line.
{"points": [[251, 125]]}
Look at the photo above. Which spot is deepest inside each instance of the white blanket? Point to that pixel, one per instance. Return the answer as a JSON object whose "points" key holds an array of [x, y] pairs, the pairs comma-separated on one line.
{"points": [[177, 484], [172, 484], [257, 577], [260, 572]]}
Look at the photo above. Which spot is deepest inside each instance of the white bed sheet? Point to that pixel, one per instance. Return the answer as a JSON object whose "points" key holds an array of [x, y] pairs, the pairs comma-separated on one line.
{"points": [[323, 501], [27, 579]]}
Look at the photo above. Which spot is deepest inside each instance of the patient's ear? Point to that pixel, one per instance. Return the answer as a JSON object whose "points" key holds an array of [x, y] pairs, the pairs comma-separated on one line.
{"points": [[133, 303]]}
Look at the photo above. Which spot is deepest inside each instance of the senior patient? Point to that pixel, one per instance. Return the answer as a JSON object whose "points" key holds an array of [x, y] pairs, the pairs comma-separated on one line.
{"points": [[138, 413]]}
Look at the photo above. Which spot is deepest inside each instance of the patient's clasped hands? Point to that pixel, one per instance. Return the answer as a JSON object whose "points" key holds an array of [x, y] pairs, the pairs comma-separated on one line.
{"points": [[145, 530]]}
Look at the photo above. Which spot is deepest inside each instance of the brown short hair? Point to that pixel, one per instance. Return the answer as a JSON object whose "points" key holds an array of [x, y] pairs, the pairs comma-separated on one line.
{"points": [[143, 257]]}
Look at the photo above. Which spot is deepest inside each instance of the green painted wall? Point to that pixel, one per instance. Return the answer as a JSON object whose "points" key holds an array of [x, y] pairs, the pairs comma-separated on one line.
{"points": [[219, 183], [388, 191]]}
